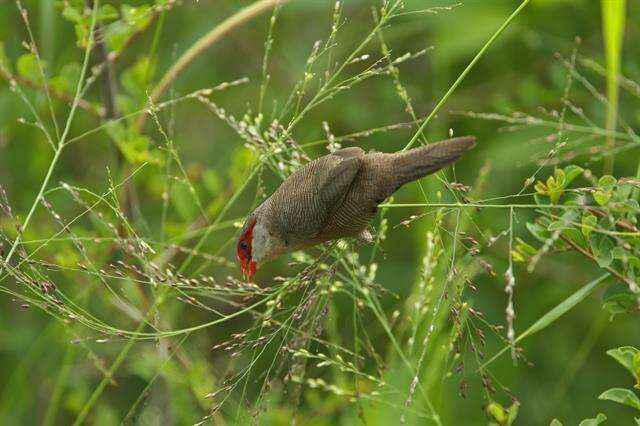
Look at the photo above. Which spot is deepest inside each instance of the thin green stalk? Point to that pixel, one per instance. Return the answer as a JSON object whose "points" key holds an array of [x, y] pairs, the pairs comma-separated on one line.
{"points": [[61, 142], [464, 73], [86, 408], [199, 47], [61, 380], [488, 206]]}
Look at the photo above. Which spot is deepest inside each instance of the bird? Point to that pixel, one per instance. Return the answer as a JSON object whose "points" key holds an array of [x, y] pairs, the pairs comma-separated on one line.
{"points": [[335, 196]]}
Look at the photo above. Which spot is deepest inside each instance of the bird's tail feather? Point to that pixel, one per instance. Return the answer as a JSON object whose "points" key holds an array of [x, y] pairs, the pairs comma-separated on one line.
{"points": [[425, 160]]}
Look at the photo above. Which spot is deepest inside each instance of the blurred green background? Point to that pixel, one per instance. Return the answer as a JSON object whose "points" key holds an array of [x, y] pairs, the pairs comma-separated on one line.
{"points": [[44, 377]]}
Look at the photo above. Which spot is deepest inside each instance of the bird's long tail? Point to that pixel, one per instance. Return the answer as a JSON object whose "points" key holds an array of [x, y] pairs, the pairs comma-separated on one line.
{"points": [[418, 162]]}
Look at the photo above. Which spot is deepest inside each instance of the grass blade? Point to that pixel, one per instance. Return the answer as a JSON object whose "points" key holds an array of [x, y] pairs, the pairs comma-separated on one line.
{"points": [[553, 315], [613, 21]]}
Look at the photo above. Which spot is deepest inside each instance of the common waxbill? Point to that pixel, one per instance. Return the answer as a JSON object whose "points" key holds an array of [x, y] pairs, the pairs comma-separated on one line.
{"points": [[335, 196]]}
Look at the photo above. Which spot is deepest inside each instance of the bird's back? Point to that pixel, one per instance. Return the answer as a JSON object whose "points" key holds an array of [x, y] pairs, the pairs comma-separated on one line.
{"points": [[337, 195]]}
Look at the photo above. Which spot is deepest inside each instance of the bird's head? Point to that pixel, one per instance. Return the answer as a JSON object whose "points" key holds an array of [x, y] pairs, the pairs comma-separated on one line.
{"points": [[257, 244], [245, 247]]}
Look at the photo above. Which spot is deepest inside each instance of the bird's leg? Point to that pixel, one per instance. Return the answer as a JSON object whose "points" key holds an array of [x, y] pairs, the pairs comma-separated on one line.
{"points": [[365, 236]]}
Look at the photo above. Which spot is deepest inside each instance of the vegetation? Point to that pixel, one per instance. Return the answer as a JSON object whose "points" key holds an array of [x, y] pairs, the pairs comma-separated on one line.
{"points": [[136, 135]]}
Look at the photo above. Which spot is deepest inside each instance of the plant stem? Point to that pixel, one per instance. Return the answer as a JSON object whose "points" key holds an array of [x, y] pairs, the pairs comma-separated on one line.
{"points": [[199, 47], [464, 73], [61, 142]]}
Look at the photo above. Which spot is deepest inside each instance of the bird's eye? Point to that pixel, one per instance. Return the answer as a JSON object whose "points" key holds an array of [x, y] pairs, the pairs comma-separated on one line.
{"points": [[244, 245]]}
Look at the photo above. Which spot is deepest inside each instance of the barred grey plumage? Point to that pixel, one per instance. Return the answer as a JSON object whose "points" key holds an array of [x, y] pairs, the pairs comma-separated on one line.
{"points": [[337, 195]]}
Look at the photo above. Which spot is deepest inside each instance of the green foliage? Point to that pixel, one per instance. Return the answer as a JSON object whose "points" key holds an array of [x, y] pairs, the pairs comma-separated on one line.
{"points": [[600, 418], [621, 396], [629, 358], [556, 184], [117, 231], [501, 416]]}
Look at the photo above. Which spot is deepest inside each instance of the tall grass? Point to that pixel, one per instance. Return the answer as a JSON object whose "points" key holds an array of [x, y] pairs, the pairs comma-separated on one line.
{"points": [[325, 335]]}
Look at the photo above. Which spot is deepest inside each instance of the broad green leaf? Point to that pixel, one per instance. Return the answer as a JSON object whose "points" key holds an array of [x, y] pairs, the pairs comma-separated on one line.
{"points": [[589, 222], [626, 355], [134, 79], [513, 413], [138, 16], [107, 13], [600, 418], [496, 411], [601, 247], [555, 422], [571, 172], [67, 79], [27, 67], [538, 231], [117, 34], [82, 35], [621, 396], [574, 235], [606, 182], [134, 20], [619, 300], [602, 197], [73, 14], [136, 149], [541, 188], [526, 248], [560, 178]]}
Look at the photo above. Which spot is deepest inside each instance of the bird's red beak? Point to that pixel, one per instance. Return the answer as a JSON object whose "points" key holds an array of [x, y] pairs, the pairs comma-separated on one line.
{"points": [[248, 268]]}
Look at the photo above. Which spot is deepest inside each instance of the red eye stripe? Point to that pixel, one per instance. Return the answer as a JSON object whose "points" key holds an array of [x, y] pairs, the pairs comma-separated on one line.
{"points": [[247, 237]]}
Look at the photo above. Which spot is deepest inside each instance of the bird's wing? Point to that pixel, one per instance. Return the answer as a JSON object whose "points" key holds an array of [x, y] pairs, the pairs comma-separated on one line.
{"points": [[304, 203], [334, 182]]}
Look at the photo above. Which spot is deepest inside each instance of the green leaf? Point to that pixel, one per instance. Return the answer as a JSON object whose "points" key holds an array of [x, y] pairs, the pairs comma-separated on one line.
{"points": [[538, 231], [67, 80], [602, 197], [496, 411], [134, 79], [601, 247], [589, 222], [619, 300], [134, 20], [621, 396], [73, 14], [560, 178], [82, 35], [135, 148], [555, 422], [107, 13], [138, 16], [541, 188], [571, 172], [27, 67], [625, 355], [513, 413], [607, 182], [600, 418]]}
